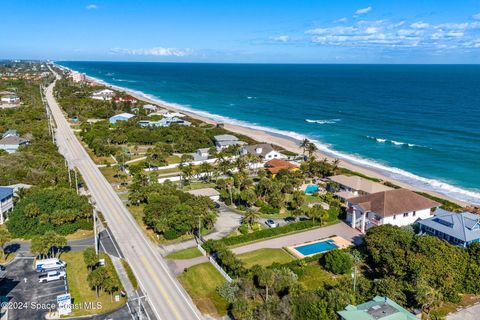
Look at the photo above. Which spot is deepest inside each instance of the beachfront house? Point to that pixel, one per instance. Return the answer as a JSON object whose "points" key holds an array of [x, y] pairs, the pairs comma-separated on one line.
{"points": [[130, 99], [399, 207], [11, 141], [120, 117], [104, 95], [10, 99], [263, 151], [150, 108], [275, 165], [6, 202], [173, 115], [206, 192], [78, 77], [164, 122], [346, 187], [458, 228], [379, 308], [224, 141]]}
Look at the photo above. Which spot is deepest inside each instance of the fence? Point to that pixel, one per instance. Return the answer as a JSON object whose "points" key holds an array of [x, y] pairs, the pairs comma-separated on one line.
{"points": [[212, 261]]}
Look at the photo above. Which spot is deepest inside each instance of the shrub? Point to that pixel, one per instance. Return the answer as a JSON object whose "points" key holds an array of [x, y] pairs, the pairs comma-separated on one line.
{"points": [[338, 261], [267, 209], [243, 228]]}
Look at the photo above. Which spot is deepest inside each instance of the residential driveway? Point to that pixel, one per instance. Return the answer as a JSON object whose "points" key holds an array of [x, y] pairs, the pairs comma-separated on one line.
{"points": [[227, 221], [470, 313], [340, 229]]}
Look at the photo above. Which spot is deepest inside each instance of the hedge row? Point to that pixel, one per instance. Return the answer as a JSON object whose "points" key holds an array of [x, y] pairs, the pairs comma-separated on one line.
{"points": [[271, 232]]}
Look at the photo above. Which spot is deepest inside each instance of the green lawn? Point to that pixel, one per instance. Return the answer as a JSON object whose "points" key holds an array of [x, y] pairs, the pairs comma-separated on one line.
{"points": [[185, 254], [313, 276], [80, 291], [201, 283], [265, 257], [198, 185], [173, 159]]}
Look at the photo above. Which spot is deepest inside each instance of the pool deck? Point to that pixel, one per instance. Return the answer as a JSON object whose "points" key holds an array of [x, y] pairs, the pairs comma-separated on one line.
{"points": [[340, 242], [340, 229]]}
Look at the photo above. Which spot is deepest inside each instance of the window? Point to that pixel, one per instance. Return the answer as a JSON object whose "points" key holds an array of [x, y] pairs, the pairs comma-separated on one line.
{"points": [[405, 214], [414, 213], [394, 216]]}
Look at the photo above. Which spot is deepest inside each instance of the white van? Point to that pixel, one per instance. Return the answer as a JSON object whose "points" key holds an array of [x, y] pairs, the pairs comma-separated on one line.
{"points": [[52, 264]]}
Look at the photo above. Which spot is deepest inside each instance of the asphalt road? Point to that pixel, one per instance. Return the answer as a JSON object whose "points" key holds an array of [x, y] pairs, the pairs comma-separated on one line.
{"points": [[165, 295]]}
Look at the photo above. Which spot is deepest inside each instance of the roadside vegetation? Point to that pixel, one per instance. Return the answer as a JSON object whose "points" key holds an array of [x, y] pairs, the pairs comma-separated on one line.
{"points": [[49, 209]]}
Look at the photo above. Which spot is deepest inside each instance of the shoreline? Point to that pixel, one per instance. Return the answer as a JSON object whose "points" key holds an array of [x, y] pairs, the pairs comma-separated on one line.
{"points": [[289, 143]]}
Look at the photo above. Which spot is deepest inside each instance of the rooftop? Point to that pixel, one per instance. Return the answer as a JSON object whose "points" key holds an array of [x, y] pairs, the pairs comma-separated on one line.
{"points": [[276, 165], [392, 202], [259, 149], [379, 308], [464, 226], [5, 192], [13, 140], [359, 183], [124, 115], [225, 137]]}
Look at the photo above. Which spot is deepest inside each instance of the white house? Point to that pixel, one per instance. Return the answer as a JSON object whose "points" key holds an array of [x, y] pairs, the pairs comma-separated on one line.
{"points": [[10, 99], [164, 122], [105, 95], [11, 141], [399, 207], [206, 192], [201, 154], [354, 186], [263, 150], [224, 141], [120, 117], [173, 115], [150, 108], [6, 202]]}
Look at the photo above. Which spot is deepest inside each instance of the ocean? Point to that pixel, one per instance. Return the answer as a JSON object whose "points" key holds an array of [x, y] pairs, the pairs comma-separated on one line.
{"points": [[415, 123]]}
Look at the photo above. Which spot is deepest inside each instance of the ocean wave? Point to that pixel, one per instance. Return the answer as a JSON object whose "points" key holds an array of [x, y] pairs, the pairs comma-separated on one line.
{"points": [[465, 195], [397, 143], [330, 121], [123, 80]]}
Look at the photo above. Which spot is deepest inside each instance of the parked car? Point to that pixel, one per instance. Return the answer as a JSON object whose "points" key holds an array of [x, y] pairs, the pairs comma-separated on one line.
{"points": [[290, 219], [52, 276], [271, 223], [52, 264]]}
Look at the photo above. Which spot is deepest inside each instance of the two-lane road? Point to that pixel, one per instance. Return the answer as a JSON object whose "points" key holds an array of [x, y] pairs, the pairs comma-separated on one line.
{"points": [[166, 297]]}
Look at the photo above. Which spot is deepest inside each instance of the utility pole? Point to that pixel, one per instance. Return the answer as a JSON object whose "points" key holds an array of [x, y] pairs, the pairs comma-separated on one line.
{"points": [[76, 179], [95, 230]]}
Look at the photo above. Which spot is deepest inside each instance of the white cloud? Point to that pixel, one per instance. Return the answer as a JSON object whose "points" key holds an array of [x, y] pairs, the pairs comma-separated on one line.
{"points": [[363, 10], [332, 30], [158, 51], [91, 7], [341, 20], [476, 16], [281, 38], [419, 25]]}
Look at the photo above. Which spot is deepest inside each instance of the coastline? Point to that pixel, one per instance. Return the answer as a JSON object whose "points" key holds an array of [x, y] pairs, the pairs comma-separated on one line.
{"points": [[290, 143]]}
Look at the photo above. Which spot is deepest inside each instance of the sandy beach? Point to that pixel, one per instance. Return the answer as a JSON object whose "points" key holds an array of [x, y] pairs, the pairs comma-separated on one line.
{"points": [[288, 143]]}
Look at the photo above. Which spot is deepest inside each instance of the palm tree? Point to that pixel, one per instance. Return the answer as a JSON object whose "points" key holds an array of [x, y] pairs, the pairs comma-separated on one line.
{"points": [[311, 148], [335, 164], [251, 216], [304, 145]]}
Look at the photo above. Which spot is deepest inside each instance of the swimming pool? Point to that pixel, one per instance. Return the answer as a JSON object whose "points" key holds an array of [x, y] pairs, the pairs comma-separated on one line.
{"points": [[311, 189], [316, 247]]}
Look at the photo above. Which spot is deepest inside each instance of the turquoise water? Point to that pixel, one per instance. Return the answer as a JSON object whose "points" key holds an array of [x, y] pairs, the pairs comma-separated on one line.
{"points": [[311, 189], [415, 123], [316, 247]]}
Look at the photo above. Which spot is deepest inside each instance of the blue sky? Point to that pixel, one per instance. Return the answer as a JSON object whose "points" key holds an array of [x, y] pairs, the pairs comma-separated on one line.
{"points": [[407, 31]]}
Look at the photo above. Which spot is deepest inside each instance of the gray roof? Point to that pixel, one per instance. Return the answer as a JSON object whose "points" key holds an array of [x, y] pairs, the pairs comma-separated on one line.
{"points": [[206, 192], [13, 140], [359, 183], [464, 226], [225, 137], [10, 132], [259, 149]]}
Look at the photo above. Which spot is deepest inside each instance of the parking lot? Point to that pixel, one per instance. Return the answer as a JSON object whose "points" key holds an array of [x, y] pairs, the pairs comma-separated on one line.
{"points": [[28, 299]]}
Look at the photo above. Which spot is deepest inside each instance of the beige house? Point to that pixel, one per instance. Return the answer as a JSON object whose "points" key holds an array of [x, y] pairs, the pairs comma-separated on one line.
{"points": [[354, 186]]}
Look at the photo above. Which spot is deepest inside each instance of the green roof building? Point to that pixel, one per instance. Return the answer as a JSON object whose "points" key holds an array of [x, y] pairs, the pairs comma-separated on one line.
{"points": [[380, 308]]}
